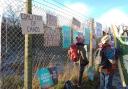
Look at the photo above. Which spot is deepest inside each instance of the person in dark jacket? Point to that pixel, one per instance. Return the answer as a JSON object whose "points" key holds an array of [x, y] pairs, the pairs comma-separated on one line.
{"points": [[107, 61], [83, 58]]}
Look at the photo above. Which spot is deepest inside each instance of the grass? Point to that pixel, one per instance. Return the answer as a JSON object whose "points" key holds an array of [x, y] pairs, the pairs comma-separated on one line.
{"points": [[72, 74], [12, 82]]}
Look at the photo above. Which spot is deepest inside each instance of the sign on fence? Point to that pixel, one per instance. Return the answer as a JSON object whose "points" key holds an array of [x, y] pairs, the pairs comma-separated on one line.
{"points": [[75, 34], [51, 20], [31, 24], [87, 36], [98, 30], [51, 37], [47, 77], [76, 24], [66, 32]]}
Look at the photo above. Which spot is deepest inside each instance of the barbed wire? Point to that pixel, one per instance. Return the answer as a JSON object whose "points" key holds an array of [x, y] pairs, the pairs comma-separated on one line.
{"points": [[68, 10]]}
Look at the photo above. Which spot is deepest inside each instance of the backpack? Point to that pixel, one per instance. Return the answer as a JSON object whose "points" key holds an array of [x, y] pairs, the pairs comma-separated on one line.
{"points": [[73, 53], [68, 85]]}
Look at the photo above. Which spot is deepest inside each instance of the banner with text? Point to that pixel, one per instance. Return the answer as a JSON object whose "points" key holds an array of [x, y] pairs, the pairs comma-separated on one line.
{"points": [[51, 20], [75, 34], [31, 24], [66, 33], [51, 37], [47, 77], [87, 36]]}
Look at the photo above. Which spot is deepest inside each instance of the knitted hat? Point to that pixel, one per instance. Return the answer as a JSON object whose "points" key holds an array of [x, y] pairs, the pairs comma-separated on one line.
{"points": [[80, 39]]}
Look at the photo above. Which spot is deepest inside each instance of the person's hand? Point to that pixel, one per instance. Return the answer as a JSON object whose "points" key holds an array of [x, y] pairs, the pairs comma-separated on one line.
{"points": [[68, 52], [112, 61], [100, 69]]}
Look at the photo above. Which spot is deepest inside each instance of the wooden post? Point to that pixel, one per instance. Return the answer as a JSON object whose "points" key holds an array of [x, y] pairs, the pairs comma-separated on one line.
{"points": [[91, 40], [114, 28], [121, 74], [27, 52], [114, 34]]}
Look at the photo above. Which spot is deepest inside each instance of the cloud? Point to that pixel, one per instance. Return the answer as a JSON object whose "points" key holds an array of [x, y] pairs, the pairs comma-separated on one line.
{"points": [[79, 8], [114, 16], [64, 13]]}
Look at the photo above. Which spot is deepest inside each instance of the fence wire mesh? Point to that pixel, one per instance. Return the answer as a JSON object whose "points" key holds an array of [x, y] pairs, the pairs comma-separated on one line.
{"points": [[47, 48]]}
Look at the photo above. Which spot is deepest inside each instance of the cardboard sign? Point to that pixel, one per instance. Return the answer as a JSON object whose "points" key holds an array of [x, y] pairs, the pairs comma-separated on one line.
{"points": [[31, 24]]}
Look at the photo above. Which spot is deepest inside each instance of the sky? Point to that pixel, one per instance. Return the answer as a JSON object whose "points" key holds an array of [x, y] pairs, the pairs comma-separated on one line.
{"points": [[104, 11]]}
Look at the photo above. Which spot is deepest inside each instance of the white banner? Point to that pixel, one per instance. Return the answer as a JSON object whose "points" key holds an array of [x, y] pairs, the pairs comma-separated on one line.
{"points": [[31, 24]]}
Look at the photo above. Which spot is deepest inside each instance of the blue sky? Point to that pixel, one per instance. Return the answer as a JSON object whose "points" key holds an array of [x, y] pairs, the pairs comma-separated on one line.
{"points": [[99, 7], [104, 11]]}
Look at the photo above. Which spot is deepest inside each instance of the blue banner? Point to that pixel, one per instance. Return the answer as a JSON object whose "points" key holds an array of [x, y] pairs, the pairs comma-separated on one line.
{"points": [[87, 36], [66, 33], [75, 34], [47, 77]]}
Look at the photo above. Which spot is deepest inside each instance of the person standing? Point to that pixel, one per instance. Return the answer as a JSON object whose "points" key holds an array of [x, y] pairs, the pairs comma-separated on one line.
{"points": [[83, 58], [105, 67]]}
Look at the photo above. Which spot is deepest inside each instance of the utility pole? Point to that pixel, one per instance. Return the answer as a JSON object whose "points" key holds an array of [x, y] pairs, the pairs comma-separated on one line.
{"points": [[91, 40], [28, 52]]}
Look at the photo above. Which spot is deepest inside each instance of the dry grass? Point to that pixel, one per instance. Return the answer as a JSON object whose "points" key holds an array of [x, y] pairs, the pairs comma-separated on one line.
{"points": [[71, 74]]}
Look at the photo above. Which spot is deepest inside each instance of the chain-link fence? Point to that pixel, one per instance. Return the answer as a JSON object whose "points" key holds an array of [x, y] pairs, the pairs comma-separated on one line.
{"points": [[12, 46], [47, 48]]}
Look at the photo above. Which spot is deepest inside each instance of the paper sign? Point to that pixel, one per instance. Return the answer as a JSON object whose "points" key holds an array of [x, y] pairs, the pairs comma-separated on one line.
{"points": [[31, 24]]}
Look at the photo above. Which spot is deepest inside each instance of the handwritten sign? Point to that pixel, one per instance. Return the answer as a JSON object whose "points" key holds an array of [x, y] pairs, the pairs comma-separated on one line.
{"points": [[51, 20], [47, 77], [31, 24], [51, 37]]}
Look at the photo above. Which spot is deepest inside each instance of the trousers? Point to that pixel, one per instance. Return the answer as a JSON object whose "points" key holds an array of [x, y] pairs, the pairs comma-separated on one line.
{"points": [[106, 80], [81, 71]]}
